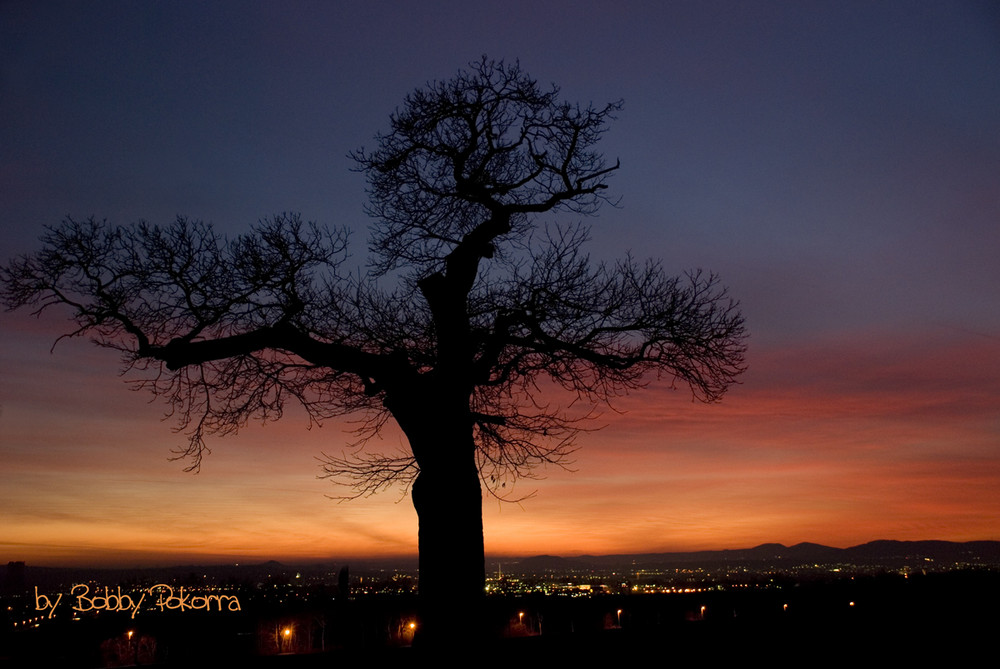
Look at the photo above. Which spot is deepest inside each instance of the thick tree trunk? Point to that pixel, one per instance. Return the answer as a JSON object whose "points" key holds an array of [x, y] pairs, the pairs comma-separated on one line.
{"points": [[433, 409], [448, 499]]}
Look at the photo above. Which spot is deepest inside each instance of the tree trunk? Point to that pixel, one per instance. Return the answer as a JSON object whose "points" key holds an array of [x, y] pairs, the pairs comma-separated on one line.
{"points": [[449, 503]]}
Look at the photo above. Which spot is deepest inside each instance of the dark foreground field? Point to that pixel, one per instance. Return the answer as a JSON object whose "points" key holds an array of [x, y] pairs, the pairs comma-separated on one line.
{"points": [[891, 622]]}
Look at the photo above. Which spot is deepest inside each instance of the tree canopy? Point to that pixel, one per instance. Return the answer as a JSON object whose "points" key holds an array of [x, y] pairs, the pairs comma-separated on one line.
{"points": [[472, 308]]}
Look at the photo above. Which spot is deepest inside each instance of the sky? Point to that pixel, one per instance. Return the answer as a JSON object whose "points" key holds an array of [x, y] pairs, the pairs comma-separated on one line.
{"points": [[836, 163]]}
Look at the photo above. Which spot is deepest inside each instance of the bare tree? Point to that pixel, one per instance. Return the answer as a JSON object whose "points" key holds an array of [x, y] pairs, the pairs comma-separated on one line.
{"points": [[469, 311]]}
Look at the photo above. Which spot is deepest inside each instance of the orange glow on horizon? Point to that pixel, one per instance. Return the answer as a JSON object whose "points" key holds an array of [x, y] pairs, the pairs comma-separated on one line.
{"points": [[840, 444]]}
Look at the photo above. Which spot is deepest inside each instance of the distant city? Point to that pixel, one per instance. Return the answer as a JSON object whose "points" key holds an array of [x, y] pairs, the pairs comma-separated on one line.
{"points": [[114, 617], [601, 572]]}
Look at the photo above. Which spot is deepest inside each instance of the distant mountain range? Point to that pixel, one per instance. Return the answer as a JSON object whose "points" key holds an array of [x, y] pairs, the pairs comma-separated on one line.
{"points": [[882, 552]]}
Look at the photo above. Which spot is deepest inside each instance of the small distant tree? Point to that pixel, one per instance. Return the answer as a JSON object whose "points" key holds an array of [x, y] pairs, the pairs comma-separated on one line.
{"points": [[469, 316]]}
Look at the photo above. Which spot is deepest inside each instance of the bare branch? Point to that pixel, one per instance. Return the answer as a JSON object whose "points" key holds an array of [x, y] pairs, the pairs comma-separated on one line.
{"points": [[367, 474]]}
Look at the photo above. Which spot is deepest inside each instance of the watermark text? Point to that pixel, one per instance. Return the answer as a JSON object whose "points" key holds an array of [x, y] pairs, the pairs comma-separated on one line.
{"points": [[161, 597]]}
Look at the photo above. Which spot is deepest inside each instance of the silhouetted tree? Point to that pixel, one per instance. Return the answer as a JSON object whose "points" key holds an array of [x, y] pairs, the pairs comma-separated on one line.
{"points": [[485, 312], [344, 583]]}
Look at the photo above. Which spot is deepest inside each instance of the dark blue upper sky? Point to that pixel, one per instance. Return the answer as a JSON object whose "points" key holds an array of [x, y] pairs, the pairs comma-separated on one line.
{"points": [[835, 161]]}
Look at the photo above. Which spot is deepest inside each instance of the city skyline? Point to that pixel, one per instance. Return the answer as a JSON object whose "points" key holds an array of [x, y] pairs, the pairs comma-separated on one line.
{"points": [[837, 165]]}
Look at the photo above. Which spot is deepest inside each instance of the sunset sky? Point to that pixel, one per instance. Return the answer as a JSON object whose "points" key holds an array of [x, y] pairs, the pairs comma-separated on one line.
{"points": [[836, 163]]}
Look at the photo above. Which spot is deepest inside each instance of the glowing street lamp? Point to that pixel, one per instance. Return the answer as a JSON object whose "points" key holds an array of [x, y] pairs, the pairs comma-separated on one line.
{"points": [[134, 650]]}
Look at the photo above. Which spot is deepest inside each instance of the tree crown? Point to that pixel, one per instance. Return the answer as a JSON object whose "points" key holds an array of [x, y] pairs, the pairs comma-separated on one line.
{"points": [[490, 310], [488, 144]]}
